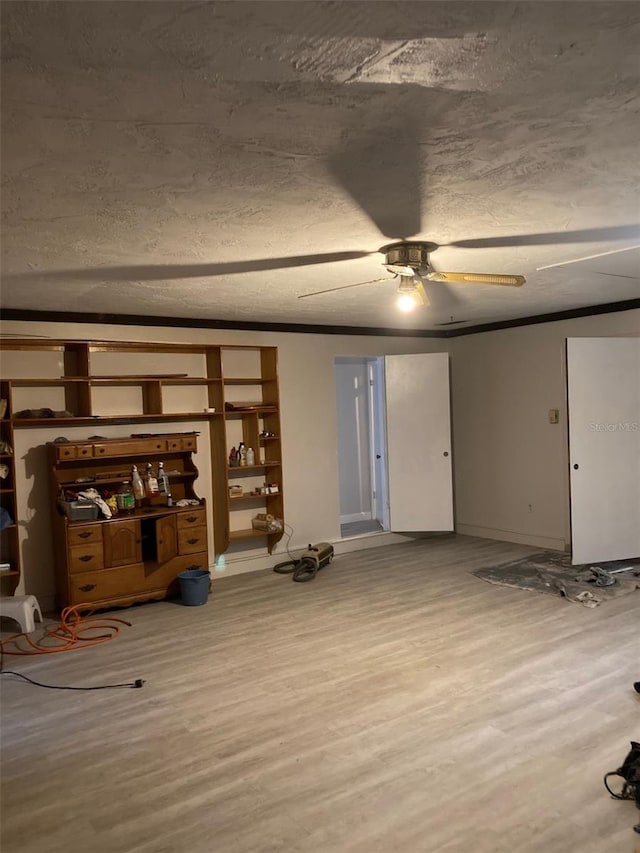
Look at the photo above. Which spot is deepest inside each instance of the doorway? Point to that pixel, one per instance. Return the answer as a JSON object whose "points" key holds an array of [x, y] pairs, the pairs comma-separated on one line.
{"points": [[362, 467]]}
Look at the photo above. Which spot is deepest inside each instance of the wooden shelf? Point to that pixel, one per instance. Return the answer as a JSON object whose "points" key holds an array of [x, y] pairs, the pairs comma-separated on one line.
{"points": [[256, 381], [239, 469], [72, 485], [9, 574], [247, 496], [256, 410], [26, 423], [248, 533]]}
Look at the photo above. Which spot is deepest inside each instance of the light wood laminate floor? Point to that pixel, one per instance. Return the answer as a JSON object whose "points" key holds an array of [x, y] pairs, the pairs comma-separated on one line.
{"points": [[396, 704]]}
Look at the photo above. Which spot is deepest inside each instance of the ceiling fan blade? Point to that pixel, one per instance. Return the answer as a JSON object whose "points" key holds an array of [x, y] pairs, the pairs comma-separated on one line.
{"points": [[584, 235], [587, 258], [476, 278], [343, 287], [160, 272]]}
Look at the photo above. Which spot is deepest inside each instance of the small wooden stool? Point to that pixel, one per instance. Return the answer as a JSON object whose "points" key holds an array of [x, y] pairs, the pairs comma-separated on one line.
{"points": [[22, 609]]}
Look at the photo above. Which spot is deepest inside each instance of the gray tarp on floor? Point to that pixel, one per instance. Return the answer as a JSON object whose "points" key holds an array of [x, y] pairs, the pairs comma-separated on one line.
{"points": [[553, 573]]}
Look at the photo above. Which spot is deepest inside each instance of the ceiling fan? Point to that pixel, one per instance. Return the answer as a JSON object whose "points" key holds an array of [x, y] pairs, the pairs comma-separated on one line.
{"points": [[409, 261]]}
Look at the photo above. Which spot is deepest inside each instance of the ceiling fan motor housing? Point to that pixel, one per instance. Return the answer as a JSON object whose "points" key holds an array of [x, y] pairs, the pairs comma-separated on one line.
{"points": [[414, 255]]}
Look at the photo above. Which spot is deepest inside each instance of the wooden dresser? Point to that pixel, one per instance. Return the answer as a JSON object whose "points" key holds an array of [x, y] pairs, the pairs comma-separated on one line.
{"points": [[127, 558]]}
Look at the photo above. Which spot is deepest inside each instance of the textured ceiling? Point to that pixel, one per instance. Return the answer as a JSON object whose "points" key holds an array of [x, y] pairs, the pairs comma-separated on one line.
{"points": [[153, 152]]}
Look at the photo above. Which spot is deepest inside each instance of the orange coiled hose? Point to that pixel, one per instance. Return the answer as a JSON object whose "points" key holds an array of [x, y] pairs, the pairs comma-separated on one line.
{"points": [[69, 634]]}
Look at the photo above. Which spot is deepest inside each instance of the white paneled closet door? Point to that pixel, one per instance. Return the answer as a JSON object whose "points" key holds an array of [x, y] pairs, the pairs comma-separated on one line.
{"points": [[419, 442], [604, 448]]}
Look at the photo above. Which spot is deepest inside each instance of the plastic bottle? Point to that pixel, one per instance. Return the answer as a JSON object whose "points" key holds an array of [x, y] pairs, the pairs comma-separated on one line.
{"points": [[163, 480], [124, 498], [243, 453], [137, 486], [251, 456], [151, 481]]}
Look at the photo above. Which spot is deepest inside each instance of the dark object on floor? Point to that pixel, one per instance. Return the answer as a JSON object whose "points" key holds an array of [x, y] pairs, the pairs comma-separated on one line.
{"points": [[306, 568], [552, 572], [630, 773]]}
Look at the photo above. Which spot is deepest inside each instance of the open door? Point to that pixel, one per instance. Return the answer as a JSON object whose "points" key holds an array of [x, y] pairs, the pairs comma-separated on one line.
{"points": [[419, 442], [603, 378]]}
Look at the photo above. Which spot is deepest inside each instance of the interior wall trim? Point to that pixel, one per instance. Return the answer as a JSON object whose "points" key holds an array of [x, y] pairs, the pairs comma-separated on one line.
{"points": [[19, 314]]}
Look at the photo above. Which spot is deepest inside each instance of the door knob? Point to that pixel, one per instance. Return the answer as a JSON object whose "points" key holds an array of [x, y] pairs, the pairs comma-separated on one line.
{"points": [[576, 466], [446, 453]]}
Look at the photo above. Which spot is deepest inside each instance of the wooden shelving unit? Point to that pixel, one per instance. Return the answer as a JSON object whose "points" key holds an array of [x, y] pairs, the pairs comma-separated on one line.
{"points": [[92, 388], [9, 545]]}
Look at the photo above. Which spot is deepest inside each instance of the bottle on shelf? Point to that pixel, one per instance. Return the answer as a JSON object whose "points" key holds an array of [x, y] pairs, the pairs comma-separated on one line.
{"points": [[124, 498], [150, 481], [163, 480], [242, 450], [137, 486], [251, 456], [232, 457]]}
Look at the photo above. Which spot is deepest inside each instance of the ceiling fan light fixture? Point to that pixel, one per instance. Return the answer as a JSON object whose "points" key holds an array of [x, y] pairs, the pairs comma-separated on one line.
{"points": [[406, 302], [411, 294]]}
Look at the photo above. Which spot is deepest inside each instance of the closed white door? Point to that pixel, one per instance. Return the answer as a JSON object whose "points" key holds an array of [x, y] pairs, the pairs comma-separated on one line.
{"points": [[604, 448], [419, 442]]}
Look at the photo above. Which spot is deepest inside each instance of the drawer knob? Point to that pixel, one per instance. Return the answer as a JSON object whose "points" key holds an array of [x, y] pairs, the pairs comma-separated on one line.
{"points": [[85, 558], [192, 541], [88, 587], [192, 518], [85, 535]]}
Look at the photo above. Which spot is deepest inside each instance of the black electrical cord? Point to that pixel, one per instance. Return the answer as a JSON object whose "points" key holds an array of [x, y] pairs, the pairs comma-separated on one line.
{"points": [[302, 570], [139, 682]]}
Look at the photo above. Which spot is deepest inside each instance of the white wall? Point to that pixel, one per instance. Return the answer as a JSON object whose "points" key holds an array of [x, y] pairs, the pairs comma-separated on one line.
{"points": [[511, 464], [308, 420]]}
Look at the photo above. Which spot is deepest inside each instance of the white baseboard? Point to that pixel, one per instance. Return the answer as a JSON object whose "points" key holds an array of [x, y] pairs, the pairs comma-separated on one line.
{"points": [[228, 568], [533, 539]]}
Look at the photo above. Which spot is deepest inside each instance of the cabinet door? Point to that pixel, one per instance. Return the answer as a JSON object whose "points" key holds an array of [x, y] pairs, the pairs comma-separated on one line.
{"points": [[122, 543], [166, 538]]}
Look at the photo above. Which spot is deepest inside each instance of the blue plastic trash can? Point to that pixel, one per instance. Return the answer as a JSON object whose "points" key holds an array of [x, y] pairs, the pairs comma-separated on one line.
{"points": [[194, 586]]}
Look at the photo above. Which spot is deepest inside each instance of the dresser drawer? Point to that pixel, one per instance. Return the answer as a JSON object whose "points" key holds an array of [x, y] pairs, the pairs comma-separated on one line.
{"points": [[108, 583], [136, 579], [84, 534], [135, 447], [84, 558], [184, 442], [193, 518], [192, 540]]}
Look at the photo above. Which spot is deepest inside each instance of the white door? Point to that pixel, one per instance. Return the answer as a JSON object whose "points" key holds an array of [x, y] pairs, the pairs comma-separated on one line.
{"points": [[604, 448], [419, 442]]}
